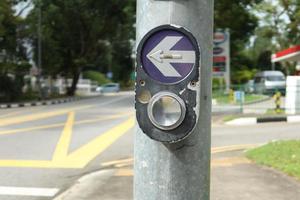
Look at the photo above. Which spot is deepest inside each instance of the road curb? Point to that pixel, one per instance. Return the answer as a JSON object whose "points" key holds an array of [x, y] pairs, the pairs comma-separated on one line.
{"points": [[85, 185], [258, 120], [39, 103], [88, 185]]}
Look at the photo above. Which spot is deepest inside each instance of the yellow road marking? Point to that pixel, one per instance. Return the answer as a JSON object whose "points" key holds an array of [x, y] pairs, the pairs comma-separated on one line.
{"points": [[38, 116], [227, 162], [10, 114], [124, 172], [26, 163], [232, 148], [38, 164], [87, 121], [123, 165], [224, 162], [82, 156], [122, 161], [62, 147], [88, 152], [20, 130], [215, 163]]}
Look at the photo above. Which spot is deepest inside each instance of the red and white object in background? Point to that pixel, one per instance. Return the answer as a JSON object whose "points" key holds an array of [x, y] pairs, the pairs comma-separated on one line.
{"points": [[221, 53], [290, 54], [292, 99]]}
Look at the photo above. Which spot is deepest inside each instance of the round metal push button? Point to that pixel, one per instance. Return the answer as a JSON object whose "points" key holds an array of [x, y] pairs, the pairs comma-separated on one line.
{"points": [[166, 110]]}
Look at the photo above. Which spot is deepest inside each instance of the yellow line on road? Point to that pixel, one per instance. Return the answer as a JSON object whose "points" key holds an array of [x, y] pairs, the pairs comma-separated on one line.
{"points": [[232, 148], [21, 130], [38, 116], [10, 114], [122, 161], [38, 164], [216, 162], [81, 157], [88, 152], [223, 162], [26, 163], [228, 162], [62, 147], [124, 172], [87, 121]]}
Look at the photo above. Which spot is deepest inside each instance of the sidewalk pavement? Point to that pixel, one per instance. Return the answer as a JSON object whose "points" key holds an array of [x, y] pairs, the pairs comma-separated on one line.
{"points": [[233, 178]]}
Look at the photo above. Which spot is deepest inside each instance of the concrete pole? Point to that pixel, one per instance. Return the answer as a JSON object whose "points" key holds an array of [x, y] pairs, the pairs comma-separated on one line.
{"points": [[178, 171], [273, 66], [228, 64], [40, 38], [39, 61]]}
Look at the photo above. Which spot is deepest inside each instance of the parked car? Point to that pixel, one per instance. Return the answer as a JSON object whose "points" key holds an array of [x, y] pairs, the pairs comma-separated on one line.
{"points": [[269, 82], [110, 88], [99, 89]]}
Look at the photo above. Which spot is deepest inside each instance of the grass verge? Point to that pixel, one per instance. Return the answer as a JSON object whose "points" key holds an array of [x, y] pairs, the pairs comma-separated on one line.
{"points": [[249, 98], [228, 118], [281, 155], [275, 112]]}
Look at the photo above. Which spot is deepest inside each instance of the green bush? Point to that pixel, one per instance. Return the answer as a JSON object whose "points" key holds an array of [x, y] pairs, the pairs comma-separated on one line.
{"points": [[95, 76], [243, 75], [218, 83], [30, 95], [10, 89], [127, 85]]}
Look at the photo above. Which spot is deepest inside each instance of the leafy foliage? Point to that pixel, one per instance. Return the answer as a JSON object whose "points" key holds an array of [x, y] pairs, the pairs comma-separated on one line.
{"points": [[12, 48], [95, 76], [237, 16], [243, 75], [80, 34], [279, 29], [13, 59]]}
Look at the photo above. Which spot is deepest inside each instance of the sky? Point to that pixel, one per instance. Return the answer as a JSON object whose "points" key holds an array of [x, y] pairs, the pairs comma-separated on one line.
{"points": [[21, 5]]}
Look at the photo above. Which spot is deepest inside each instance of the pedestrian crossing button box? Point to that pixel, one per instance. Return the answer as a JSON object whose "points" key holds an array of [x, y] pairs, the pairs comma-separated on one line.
{"points": [[167, 83]]}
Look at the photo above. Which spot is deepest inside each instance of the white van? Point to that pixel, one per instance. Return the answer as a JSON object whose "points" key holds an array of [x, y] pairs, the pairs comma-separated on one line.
{"points": [[269, 82]]}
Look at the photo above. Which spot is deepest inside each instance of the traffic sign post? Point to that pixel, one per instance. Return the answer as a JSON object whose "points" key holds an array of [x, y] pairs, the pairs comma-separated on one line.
{"points": [[221, 60], [173, 99]]}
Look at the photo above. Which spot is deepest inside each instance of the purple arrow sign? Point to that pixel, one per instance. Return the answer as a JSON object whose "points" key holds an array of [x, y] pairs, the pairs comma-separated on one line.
{"points": [[168, 56]]}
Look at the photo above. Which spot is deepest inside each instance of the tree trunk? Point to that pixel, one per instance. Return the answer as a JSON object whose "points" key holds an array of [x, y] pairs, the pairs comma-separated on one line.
{"points": [[71, 90]]}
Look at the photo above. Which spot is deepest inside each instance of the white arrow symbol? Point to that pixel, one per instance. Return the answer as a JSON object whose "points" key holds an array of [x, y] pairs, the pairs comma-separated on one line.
{"points": [[161, 56]]}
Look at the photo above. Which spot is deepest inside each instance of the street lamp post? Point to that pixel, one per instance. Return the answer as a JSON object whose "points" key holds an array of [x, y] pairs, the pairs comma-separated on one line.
{"points": [[39, 59]]}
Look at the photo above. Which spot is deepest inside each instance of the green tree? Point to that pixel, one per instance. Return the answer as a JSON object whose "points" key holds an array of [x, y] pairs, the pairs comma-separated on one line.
{"points": [[13, 58], [78, 34], [238, 17], [279, 28], [11, 44]]}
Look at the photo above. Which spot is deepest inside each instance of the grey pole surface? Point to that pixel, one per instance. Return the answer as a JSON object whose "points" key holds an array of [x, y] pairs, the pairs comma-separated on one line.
{"points": [[273, 66], [40, 38], [179, 171], [39, 61]]}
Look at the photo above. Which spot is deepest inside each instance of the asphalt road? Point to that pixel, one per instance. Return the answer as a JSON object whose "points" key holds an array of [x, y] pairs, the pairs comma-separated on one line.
{"points": [[43, 150]]}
